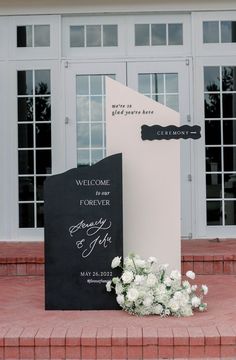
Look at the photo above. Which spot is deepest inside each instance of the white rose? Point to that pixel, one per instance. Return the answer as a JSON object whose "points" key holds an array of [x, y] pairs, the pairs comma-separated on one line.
{"points": [[139, 279], [140, 263], [195, 301], [127, 277], [151, 280], [128, 263], [115, 280], [115, 262], [174, 305], [108, 286], [132, 294], [175, 275], [120, 299], [194, 287], [119, 288], [148, 301], [190, 274], [167, 281], [163, 267], [204, 289], [158, 309], [152, 259]]}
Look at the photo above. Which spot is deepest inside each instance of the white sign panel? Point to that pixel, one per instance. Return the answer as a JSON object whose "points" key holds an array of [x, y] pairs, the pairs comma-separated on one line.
{"points": [[151, 172]]}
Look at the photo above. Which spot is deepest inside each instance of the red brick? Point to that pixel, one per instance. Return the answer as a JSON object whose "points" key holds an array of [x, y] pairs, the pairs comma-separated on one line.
{"points": [[196, 336], [208, 258], [3, 269], [196, 352], [88, 352], [166, 351], [208, 267], [150, 336], [119, 336], [165, 336], [212, 336], [42, 352], [27, 336], [39, 269], [150, 352], [218, 257], [12, 353], [134, 336], [42, 337], [227, 335], [197, 258], [1, 353], [212, 351], [11, 269], [228, 267], [3, 332], [198, 267], [181, 336], [135, 352], [218, 267], [73, 352], [228, 257], [27, 352], [103, 352], [228, 351], [21, 269], [88, 336], [58, 336], [12, 336], [119, 352], [31, 269], [73, 336], [57, 352], [188, 258], [181, 351], [187, 265], [104, 337]]}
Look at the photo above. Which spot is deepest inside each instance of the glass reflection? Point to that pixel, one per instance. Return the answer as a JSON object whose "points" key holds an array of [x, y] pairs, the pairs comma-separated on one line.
{"points": [[212, 132], [39, 186], [213, 186], [26, 215], [230, 185], [82, 108], [42, 108], [40, 215], [210, 32], [230, 212], [42, 82], [214, 213], [228, 31], [142, 35], [25, 135], [77, 36], [172, 101], [158, 83], [25, 162], [83, 157], [229, 78], [213, 159], [24, 36], [175, 34], [83, 135], [25, 82], [43, 162], [212, 78], [96, 84], [82, 84], [110, 36], [96, 108], [212, 106], [158, 34], [25, 109], [96, 155], [230, 158], [93, 37], [229, 131], [229, 105], [144, 86], [172, 83], [26, 188], [96, 135], [42, 35], [43, 135]]}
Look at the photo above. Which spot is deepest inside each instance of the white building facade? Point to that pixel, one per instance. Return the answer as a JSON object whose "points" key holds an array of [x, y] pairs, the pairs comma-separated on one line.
{"points": [[54, 56]]}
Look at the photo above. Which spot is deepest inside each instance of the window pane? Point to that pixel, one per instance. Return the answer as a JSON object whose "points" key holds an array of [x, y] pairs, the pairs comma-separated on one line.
{"points": [[229, 78], [159, 98], [172, 83], [96, 135], [82, 85], [25, 162], [26, 215], [213, 186], [211, 78], [83, 157], [175, 34], [83, 135], [158, 34], [97, 155], [228, 31], [157, 83], [25, 82], [110, 36], [40, 215], [39, 186], [43, 162], [210, 32], [229, 131], [43, 135], [230, 158], [230, 185], [142, 35], [214, 213], [93, 35], [212, 132], [82, 108], [26, 188], [229, 105], [25, 109], [96, 108], [212, 106], [77, 36], [24, 36], [43, 109], [230, 212], [25, 135], [144, 85], [42, 82], [213, 159], [172, 101], [41, 35], [96, 84]]}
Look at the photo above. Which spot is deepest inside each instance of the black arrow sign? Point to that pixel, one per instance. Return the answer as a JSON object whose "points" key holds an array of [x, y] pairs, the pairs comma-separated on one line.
{"points": [[157, 132]]}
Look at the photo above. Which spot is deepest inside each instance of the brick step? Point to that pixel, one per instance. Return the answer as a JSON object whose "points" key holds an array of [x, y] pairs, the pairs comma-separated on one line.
{"points": [[118, 343], [202, 256]]}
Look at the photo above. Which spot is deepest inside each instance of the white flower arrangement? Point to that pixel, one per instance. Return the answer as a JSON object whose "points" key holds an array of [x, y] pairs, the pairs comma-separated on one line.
{"points": [[144, 288]]}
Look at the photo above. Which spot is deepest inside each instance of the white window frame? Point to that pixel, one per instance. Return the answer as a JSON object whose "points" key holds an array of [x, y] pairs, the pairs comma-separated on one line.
{"points": [[202, 230], [161, 51], [91, 52], [3, 38], [208, 49], [58, 141], [51, 52]]}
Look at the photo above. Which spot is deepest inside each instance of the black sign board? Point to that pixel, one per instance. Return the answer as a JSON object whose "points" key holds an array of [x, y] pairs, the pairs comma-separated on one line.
{"points": [[83, 233], [157, 132]]}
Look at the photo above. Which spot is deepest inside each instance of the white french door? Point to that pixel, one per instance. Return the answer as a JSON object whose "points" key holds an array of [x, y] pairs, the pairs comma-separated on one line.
{"points": [[85, 110], [168, 83]]}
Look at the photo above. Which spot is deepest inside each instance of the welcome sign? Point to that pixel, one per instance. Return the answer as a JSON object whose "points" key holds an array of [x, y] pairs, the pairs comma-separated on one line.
{"points": [[151, 171], [83, 233]]}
